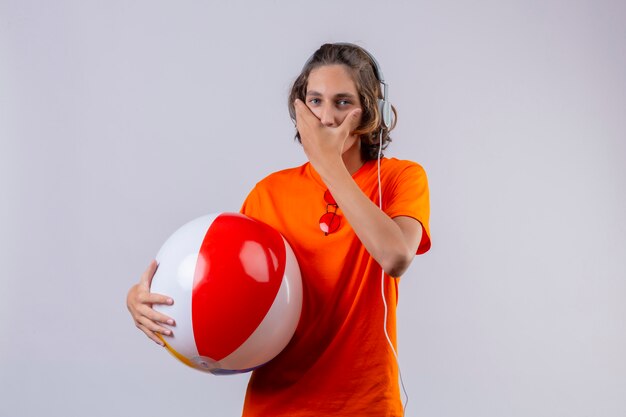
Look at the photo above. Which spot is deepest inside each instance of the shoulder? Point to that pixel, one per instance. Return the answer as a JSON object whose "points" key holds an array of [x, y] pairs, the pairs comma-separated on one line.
{"points": [[394, 168], [282, 177], [276, 189]]}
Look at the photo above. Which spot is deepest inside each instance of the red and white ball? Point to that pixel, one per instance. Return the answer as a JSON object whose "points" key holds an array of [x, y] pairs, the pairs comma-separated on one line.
{"points": [[237, 292]]}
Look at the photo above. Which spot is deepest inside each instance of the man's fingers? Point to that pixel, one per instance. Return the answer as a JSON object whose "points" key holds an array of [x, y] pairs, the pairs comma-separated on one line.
{"points": [[152, 298], [299, 107], [157, 317], [303, 113], [150, 334], [146, 277], [153, 326], [352, 121]]}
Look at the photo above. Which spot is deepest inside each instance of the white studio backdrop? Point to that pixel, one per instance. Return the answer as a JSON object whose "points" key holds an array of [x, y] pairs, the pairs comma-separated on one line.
{"points": [[120, 121]]}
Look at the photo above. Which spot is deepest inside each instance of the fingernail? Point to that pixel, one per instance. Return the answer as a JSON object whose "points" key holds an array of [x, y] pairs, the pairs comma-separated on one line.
{"points": [[170, 321], [170, 301]]}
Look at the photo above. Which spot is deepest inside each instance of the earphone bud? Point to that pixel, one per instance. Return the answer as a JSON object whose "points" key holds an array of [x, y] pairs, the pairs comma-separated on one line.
{"points": [[385, 112]]}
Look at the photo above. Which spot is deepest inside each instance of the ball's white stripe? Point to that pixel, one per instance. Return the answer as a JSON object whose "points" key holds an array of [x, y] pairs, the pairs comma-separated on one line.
{"points": [[177, 264]]}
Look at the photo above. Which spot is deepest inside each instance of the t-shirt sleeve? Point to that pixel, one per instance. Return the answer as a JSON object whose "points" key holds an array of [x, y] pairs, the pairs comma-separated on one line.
{"points": [[407, 195], [260, 204], [251, 205]]}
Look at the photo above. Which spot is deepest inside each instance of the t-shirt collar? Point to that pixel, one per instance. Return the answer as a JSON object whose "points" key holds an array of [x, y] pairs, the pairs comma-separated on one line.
{"points": [[367, 165]]}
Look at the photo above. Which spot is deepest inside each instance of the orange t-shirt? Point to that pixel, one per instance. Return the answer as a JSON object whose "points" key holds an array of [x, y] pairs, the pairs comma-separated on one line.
{"points": [[338, 362]]}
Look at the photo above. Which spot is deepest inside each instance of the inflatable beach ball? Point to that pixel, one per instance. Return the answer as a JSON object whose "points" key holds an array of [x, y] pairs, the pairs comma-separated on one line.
{"points": [[237, 292]]}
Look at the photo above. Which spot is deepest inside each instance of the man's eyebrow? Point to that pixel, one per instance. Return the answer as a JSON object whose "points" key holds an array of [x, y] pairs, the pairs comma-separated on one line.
{"points": [[314, 93]]}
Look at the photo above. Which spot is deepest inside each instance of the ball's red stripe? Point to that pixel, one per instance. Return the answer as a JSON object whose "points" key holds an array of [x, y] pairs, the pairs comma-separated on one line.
{"points": [[230, 299]]}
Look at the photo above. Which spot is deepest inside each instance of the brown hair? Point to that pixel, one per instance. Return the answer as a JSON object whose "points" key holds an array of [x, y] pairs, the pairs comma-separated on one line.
{"points": [[363, 73]]}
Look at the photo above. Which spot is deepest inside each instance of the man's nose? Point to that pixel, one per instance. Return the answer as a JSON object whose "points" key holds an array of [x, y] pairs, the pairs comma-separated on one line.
{"points": [[328, 116]]}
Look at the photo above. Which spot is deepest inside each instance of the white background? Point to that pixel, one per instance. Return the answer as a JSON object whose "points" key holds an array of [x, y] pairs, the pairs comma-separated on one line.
{"points": [[122, 120]]}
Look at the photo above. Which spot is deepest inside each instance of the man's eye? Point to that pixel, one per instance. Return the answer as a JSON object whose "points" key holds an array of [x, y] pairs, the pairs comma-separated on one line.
{"points": [[314, 101], [343, 102]]}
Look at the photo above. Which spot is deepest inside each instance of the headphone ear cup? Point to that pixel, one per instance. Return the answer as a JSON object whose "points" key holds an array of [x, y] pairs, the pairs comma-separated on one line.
{"points": [[386, 114]]}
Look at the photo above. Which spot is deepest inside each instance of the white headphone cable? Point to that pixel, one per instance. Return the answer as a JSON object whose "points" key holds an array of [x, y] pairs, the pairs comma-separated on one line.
{"points": [[382, 282]]}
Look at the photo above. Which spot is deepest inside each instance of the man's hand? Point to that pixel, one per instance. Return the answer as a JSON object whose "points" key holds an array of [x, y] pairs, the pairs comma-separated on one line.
{"points": [[324, 144], [139, 302]]}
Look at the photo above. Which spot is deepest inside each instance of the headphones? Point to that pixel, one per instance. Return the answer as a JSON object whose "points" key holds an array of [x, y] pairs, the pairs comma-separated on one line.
{"points": [[384, 106]]}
